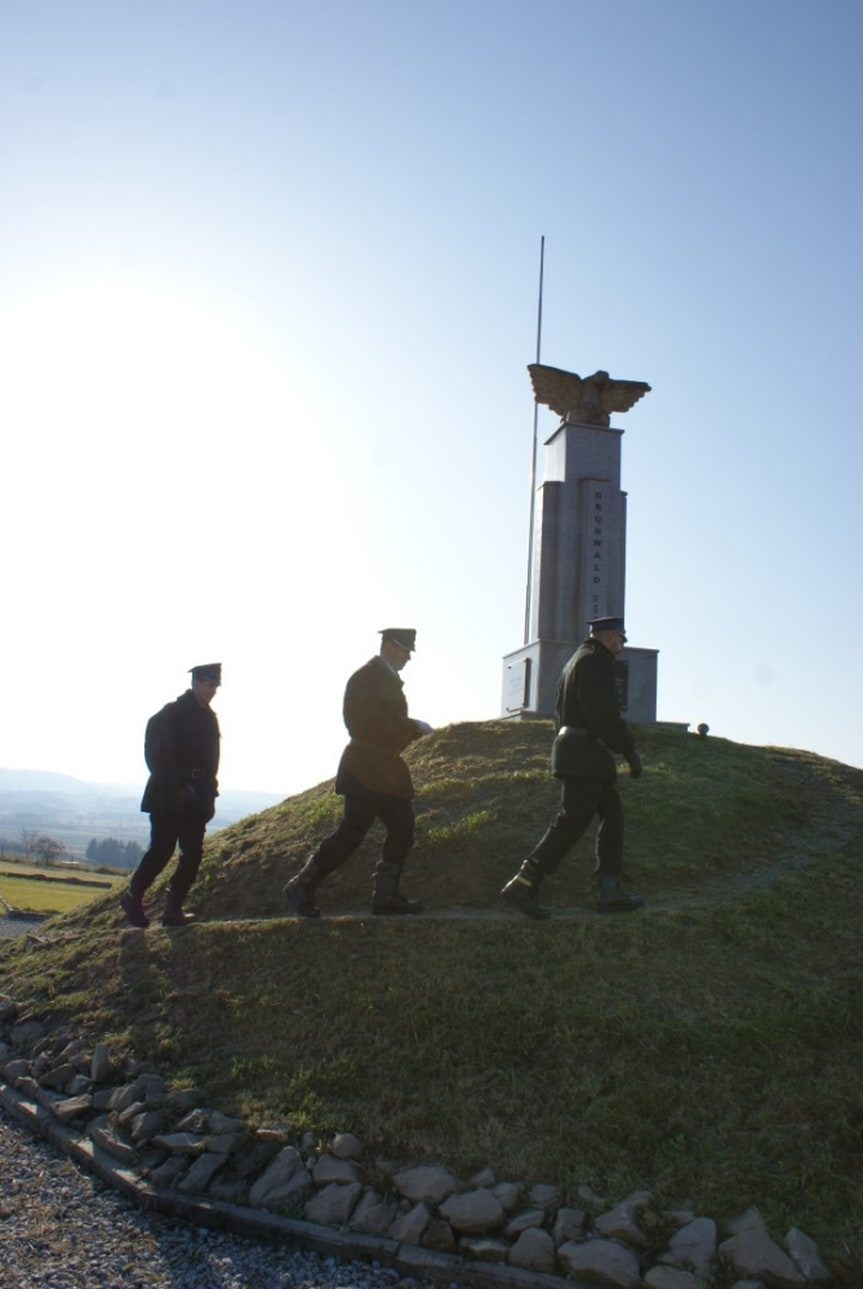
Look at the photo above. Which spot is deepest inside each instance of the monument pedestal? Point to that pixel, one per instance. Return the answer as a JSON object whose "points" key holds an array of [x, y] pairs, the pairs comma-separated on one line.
{"points": [[530, 677]]}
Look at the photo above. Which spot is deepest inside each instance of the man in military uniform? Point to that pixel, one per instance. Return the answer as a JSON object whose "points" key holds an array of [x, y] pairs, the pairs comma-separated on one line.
{"points": [[589, 729], [181, 748], [374, 781]]}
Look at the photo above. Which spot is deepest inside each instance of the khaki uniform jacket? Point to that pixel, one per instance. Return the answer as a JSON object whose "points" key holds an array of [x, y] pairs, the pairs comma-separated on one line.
{"points": [[376, 715]]}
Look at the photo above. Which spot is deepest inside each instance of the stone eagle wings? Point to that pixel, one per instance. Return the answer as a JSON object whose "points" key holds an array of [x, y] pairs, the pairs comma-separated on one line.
{"points": [[590, 400]]}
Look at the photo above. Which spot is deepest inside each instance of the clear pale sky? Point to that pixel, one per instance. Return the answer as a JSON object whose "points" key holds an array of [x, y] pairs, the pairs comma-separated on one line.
{"points": [[268, 289]]}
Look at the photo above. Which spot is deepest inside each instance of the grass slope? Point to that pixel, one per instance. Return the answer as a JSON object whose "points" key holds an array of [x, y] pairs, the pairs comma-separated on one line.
{"points": [[708, 1049]]}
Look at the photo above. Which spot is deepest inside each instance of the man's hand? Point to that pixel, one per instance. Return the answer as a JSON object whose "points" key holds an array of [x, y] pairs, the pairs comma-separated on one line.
{"points": [[633, 760]]}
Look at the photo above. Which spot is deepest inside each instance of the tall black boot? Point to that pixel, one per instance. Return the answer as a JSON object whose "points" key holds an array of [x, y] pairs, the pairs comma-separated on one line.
{"points": [[174, 914], [386, 897], [302, 886], [522, 892], [614, 899]]}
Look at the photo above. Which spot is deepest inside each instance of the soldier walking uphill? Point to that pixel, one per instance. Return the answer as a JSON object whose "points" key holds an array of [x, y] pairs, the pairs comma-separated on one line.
{"points": [[374, 781], [181, 747], [590, 728]]}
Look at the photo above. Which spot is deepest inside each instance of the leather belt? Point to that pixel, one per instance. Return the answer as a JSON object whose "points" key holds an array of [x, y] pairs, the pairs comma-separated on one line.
{"points": [[574, 729]]}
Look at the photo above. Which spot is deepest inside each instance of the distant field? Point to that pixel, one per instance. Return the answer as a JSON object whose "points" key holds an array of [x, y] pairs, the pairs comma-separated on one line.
{"points": [[28, 888]]}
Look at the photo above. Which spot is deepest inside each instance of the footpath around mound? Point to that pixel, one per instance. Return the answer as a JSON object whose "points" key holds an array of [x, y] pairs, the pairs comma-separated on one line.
{"points": [[165, 1152]]}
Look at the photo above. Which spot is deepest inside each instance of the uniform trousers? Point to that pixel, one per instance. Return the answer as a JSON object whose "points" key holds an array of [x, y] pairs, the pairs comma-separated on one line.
{"points": [[184, 827], [581, 799], [361, 810]]}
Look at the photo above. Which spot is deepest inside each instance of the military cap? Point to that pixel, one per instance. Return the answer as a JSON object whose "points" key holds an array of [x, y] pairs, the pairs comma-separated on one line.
{"points": [[404, 637], [608, 624], [208, 671]]}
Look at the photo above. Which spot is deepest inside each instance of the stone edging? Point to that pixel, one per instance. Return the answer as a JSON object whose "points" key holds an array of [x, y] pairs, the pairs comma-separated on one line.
{"points": [[162, 1151]]}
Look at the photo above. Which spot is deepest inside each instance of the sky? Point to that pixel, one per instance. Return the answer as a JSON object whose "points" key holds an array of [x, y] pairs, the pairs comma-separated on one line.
{"points": [[268, 292]]}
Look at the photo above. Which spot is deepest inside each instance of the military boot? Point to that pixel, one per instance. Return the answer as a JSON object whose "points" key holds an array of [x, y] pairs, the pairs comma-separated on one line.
{"points": [[133, 907], [386, 897], [300, 889], [174, 914], [522, 892], [614, 899]]}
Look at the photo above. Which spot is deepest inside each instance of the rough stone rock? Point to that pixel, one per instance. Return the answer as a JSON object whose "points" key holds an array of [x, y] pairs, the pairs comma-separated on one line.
{"points": [[78, 1085], [507, 1195], [472, 1213], [179, 1143], [328, 1169], [106, 1140], [544, 1197], [285, 1179], [146, 1124], [197, 1179], [532, 1217], [425, 1184], [197, 1121], [750, 1220], [73, 1108], [673, 1278], [806, 1256], [621, 1222], [753, 1254], [693, 1248], [225, 1143], [410, 1227], [439, 1236], [483, 1250], [16, 1069], [167, 1174], [603, 1262], [534, 1250], [150, 1088], [58, 1077], [334, 1204], [254, 1155], [569, 1224], [346, 1146], [220, 1124], [373, 1215], [101, 1063], [485, 1177], [122, 1097]]}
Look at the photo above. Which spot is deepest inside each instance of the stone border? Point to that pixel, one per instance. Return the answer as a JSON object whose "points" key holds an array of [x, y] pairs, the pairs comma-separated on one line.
{"points": [[163, 1151]]}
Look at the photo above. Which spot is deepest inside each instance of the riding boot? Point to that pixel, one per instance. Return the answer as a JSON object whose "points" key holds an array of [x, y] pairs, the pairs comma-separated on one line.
{"points": [[614, 899], [386, 897], [300, 889], [522, 892], [173, 914]]}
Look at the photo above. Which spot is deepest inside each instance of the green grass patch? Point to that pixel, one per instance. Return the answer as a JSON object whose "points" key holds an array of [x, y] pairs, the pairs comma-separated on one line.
{"points": [[708, 1049]]}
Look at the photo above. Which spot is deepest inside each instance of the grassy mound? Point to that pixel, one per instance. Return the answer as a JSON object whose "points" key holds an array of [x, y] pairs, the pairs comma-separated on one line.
{"points": [[708, 1049]]}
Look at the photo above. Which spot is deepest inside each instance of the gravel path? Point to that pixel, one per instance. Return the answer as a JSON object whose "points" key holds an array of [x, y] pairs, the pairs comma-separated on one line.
{"points": [[62, 1229]]}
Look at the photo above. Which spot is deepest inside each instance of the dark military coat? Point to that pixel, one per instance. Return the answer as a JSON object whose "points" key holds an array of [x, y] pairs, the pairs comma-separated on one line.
{"points": [[181, 748], [376, 714], [589, 723]]}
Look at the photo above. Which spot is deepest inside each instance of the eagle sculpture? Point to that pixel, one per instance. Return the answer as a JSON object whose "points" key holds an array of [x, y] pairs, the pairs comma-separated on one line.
{"points": [[589, 401]]}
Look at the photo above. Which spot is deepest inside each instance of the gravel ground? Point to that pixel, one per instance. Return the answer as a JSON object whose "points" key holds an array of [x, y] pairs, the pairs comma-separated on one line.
{"points": [[61, 1228]]}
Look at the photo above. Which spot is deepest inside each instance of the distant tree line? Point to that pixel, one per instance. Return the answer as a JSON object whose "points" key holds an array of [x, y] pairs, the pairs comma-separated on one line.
{"points": [[114, 853]]}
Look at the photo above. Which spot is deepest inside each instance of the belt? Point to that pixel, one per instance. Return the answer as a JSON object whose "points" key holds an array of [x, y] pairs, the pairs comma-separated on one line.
{"points": [[578, 730]]}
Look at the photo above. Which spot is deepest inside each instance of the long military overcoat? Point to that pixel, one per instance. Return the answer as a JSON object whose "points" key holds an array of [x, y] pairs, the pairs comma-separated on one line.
{"points": [[376, 714], [590, 726], [181, 748]]}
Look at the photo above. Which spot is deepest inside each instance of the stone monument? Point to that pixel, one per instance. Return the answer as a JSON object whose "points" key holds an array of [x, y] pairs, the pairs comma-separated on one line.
{"points": [[578, 546]]}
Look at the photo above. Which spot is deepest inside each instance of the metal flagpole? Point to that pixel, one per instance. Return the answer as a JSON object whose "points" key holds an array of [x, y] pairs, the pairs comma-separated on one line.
{"points": [[529, 585]]}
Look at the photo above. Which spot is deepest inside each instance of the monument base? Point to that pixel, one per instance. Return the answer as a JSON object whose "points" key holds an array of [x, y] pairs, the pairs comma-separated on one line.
{"points": [[530, 676]]}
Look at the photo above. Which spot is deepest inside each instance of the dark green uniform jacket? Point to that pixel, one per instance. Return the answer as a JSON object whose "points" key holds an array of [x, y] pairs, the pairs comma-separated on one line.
{"points": [[376, 714], [181, 748], [588, 716]]}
